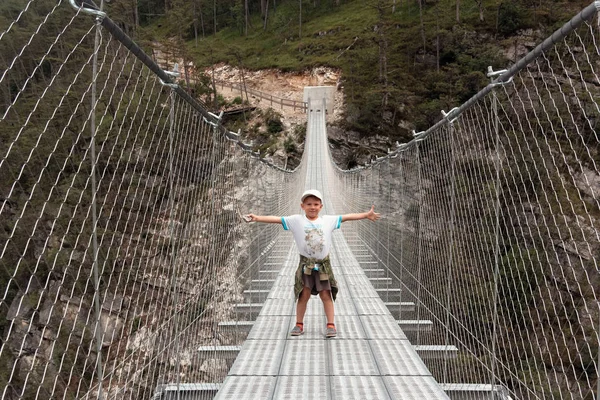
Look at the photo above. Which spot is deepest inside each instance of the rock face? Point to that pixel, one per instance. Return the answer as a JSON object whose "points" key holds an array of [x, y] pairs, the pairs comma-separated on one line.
{"points": [[168, 261]]}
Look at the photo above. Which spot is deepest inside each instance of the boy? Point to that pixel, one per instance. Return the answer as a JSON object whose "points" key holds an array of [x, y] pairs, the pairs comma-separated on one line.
{"points": [[312, 235]]}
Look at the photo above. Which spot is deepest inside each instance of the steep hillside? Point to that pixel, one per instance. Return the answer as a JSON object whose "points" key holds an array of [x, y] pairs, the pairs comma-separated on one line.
{"points": [[400, 62]]}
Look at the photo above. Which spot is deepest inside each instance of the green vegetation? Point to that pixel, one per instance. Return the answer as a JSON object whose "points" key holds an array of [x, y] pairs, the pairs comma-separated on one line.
{"points": [[402, 63], [274, 124]]}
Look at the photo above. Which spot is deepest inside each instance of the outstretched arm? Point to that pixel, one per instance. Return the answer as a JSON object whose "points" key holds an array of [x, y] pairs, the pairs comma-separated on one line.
{"points": [[269, 219], [371, 215]]}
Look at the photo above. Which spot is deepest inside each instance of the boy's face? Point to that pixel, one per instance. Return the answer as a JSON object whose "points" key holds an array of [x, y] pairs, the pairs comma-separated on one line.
{"points": [[311, 206]]}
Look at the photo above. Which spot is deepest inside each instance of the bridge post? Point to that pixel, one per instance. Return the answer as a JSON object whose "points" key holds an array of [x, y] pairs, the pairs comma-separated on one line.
{"points": [[497, 164], [419, 237], [98, 329], [449, 281]]}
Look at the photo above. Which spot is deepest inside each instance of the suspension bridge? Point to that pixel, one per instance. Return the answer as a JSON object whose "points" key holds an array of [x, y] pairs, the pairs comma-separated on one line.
{"points": [[127, 271]]}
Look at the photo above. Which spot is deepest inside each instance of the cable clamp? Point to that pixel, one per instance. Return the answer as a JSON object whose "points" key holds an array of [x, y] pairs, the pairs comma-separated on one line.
{"points": [[216, 119], [448, 115], [90, 11], [418, 136], [494, 84], [491, 74], [213, 123], [215, 116], [399, 147], [174, 74], [168, 84]]}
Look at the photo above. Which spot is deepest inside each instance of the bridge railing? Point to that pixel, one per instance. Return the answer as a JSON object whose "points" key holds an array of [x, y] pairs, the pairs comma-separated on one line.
{"points": [[122, 246], [491, 224], [294, 104]]}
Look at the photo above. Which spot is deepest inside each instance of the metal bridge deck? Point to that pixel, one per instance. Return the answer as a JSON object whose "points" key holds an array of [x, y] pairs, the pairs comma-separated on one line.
{"points": [[371, 358]]}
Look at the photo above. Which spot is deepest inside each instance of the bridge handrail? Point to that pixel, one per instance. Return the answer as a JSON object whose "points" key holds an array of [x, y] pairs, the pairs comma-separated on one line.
{"points": [[302, 105]]}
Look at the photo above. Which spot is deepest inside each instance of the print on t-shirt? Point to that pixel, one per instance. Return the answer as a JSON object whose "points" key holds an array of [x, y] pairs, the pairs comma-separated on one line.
{"points": [[314, 238]]}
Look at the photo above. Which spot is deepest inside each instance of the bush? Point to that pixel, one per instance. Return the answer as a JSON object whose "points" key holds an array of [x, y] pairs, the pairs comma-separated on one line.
{"points": [[289, 145], [510, 18], [273, 121], [299, 132]]}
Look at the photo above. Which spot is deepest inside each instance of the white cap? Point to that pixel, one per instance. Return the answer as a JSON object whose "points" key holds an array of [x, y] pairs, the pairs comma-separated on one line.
{"points": [[311, 192]]}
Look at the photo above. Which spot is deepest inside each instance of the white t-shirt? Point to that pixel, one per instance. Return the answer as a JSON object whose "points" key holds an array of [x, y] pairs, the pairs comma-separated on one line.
{"points": [[313, 238]]}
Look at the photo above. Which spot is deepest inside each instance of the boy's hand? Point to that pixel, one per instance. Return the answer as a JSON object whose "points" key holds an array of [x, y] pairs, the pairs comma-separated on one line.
{"points": [[248, 217], [372, 215]]}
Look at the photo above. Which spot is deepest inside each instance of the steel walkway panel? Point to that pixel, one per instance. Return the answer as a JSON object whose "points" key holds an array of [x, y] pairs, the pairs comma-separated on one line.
{"points": [[350, 327], [352, 357], [281, 292], [386, 353], [278, 307], [302, 387], [414, 387], [259, 358], [359, 387], [371, 306], [381, 327], [343, 306], [271, 327], [247, 387], [304, 357]]}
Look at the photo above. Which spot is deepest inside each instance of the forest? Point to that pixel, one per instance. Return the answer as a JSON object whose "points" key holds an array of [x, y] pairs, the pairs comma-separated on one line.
{"points": [[401, 61]]}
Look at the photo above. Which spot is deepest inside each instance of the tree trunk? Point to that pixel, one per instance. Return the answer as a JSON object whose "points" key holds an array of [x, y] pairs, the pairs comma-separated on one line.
{"points": [[215, 17], [498, 17], [136, 16], [186, 74], [201, 20], [244, 90], [383, 77], [457, 11], [195, 24], [352, 77], [480, 6], [437, 39], [214, 85], [266, 16], [300, 29], [422, 27], [246, 17]]}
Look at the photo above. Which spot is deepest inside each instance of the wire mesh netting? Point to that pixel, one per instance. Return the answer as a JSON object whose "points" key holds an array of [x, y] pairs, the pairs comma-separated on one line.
{"points": [[123, 251], [491, 228], [122, 245]]}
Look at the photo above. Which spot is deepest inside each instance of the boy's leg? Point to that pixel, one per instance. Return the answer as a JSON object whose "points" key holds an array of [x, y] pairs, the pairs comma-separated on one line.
{"points": [[302, 303], [325, 296], [300, 311]]}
